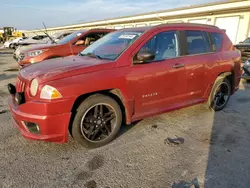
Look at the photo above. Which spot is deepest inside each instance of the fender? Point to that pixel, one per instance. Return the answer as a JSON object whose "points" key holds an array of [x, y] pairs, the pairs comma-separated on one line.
{"points": [[222, 75]]}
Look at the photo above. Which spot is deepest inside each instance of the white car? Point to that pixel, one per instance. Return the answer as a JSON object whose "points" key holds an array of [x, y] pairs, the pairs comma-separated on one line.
{"points": [[11, 43], [7, 44], [38, 39]]}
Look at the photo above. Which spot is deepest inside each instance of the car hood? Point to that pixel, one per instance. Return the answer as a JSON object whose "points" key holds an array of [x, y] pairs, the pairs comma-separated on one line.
{"points": [[32, 47], [32, 41], [59, 68], [17, 39]]}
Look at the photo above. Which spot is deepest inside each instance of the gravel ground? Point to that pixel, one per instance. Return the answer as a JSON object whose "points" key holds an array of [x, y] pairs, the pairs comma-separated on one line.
{"points": [[216, 149]]}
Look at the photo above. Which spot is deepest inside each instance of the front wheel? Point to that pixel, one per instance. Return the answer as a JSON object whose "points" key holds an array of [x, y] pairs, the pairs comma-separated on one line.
{"points": [[220, 94], [11, 46], [97, 121]]}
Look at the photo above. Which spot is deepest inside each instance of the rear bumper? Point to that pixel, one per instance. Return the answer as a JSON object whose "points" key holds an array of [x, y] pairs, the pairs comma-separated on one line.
{"points": [[53, 128], [246, 73]]}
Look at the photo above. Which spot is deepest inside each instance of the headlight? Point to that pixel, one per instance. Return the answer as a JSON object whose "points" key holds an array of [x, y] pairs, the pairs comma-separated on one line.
{"points": [[49, 92], [35, 53], [247, 62], [34, 87]]}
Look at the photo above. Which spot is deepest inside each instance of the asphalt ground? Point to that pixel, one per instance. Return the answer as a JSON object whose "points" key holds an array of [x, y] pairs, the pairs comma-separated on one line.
{"points": [[215, 150]]}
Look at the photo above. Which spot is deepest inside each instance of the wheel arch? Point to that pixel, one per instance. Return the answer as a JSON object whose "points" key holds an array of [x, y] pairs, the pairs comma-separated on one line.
{"points": [[229, 76], [114, 93]]}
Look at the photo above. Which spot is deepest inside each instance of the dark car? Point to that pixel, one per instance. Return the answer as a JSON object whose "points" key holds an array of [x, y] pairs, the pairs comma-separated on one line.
{"points": [[244, 47], [246, 69]]}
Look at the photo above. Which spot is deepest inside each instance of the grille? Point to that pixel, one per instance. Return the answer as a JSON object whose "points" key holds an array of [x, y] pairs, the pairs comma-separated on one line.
{"points": [[21, 57], [20, 85]]}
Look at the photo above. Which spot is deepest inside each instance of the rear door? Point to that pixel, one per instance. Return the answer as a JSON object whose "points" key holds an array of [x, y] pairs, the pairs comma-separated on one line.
{"points": [[198, 59]]}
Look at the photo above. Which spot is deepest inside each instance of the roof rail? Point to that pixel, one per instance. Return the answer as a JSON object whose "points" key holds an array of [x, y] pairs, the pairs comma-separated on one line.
{"points": [[190, 24]]}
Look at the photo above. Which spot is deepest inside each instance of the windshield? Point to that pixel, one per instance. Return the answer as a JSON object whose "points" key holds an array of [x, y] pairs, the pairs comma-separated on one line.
{"points": [[70, 37], [111, 45]]}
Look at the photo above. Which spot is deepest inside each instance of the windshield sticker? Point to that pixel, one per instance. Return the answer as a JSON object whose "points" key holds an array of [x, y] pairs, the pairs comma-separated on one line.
{"points": [[79, 34], [127, 36]]}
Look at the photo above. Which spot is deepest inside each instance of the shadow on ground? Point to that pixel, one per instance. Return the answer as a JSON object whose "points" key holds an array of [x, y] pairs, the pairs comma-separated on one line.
{"points": [[5, 53], [6, 76], [228, 162]]}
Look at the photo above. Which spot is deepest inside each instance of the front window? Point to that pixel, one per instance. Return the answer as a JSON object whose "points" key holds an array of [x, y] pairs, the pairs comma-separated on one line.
{"points": [[164, 45], [69, 37], [111, 45]]}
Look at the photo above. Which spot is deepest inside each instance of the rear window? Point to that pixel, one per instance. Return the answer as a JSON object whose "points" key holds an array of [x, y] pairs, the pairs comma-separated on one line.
{"points": [[217, 40], [196, 44]]}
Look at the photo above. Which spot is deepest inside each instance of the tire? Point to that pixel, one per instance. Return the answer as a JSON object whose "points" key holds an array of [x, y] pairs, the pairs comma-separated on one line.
{"points": [[11, 46], [213, 101], [14, 46], [86, 107]]}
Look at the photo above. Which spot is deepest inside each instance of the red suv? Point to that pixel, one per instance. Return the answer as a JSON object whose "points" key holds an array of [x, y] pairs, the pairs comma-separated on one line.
{"points": [[69, 45], [125, 76]]}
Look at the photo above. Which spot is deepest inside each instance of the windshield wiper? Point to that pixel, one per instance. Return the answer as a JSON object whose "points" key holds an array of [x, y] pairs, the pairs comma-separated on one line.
{"points": [[91, 55]]}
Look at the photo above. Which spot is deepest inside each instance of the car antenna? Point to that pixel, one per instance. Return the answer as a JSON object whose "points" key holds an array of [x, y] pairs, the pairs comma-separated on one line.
{"points": [[46, 33]]}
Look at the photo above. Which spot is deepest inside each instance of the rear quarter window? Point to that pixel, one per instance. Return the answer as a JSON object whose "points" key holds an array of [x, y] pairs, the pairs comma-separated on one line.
{"points": [[217, 40]]}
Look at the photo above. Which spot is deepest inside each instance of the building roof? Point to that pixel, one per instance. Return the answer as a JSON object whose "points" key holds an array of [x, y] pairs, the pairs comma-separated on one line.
{"points": [[208, 8]]}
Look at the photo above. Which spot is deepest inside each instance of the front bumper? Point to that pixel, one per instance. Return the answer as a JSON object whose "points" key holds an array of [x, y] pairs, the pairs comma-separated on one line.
{"points": [[15, 56], [53, 128], [26, 61]]}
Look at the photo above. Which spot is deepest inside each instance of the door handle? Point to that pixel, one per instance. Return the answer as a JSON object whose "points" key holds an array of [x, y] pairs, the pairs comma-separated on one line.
{"points": [[176, 66]]}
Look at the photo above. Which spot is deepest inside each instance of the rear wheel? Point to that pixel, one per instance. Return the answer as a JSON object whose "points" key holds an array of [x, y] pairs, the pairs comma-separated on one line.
{"points": [[220, 94], [97, 121]]}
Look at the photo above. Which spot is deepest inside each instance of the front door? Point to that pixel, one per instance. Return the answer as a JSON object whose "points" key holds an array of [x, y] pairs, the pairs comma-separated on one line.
{"points": [[160, 83]]}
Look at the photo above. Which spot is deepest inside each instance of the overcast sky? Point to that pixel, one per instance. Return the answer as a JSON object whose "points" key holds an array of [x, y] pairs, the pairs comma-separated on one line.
{"points": [[29, 14]]}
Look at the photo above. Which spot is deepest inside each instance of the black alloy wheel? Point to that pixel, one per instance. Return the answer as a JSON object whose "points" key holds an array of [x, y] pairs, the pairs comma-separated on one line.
{"points": [[97, 121]]}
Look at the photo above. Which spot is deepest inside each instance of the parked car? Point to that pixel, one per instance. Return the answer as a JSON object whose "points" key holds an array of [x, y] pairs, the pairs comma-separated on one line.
{"points": [[56, 37], [60, 35], [38, 39], [125, 76], [246, 69], [70, 45], [244, 47], [11, 43]]}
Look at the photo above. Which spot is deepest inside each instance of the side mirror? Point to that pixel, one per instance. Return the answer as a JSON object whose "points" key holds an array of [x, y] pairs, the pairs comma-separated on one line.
{"points": [[80, 42], [144, 56]]}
